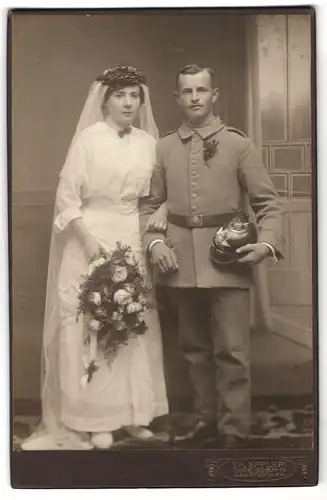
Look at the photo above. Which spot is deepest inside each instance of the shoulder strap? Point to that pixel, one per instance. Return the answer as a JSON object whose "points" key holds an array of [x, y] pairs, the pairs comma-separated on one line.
{"points": [[236, 131]]}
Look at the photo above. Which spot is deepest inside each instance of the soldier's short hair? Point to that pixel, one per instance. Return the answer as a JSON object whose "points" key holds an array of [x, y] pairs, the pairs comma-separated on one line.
{"points": [[194, 69]]}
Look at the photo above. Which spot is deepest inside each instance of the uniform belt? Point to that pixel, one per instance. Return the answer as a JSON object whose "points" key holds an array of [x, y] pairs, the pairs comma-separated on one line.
{"points": [[191, 221]]}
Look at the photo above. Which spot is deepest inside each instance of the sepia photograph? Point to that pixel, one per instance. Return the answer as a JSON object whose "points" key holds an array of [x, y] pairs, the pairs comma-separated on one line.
{"points": [[163, 267]]}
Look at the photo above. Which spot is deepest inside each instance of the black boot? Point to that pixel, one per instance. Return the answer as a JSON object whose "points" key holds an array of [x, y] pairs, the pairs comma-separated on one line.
{"points": [[202, 430]]}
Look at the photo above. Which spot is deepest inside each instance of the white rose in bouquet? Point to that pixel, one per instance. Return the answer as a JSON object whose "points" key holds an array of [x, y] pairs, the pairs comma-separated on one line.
{"points": [[122, 297], [117, 316], [129, 288], [95, 297], [119, 274], [133, 307], [94, 325]]}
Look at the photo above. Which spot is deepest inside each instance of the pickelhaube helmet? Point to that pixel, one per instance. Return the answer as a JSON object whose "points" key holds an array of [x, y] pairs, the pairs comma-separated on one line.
{"points": [[230, 236]]}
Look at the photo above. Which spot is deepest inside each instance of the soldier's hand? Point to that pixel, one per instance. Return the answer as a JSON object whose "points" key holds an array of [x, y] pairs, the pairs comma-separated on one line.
{"points": [[254, 253], [164, 258]]}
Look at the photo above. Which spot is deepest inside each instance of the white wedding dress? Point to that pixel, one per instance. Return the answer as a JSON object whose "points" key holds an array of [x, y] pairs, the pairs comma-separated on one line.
{"points": [[102, 180]]}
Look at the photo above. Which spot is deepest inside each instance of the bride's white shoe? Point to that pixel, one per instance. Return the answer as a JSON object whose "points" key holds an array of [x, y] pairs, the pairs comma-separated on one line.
{"points": [[137, 432], [47, 442], [36, 443], [102, 440]]}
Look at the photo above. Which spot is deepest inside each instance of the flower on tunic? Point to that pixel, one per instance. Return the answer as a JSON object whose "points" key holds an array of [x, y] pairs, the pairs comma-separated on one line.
{"points": [[209, 148]]}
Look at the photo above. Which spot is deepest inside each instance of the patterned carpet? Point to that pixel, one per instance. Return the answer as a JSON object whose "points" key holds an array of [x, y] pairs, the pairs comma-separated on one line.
{"points": [[272, 428]]}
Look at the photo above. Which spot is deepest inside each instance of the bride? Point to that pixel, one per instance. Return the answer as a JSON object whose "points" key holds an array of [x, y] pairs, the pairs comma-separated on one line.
{"points": [[108, 168]]}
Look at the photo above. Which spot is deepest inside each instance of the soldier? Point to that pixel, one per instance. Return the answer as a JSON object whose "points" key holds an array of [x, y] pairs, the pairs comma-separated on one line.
{"points": [[205, 171]]}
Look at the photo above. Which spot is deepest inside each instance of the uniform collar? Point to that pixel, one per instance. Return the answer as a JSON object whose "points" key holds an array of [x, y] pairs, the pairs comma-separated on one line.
{"points": [[185, 132]]}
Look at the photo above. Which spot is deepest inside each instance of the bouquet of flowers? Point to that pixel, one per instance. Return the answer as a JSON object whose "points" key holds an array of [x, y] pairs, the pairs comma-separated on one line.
{"points": [[112, 299]]}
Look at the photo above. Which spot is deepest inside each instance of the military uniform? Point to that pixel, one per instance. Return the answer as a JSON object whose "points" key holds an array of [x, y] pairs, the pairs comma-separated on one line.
{"points": [[202, 172]]}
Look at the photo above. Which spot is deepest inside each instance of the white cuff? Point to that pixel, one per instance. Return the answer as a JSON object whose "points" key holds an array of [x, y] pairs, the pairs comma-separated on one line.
{"points": [[274, 256], [65, 217], [154, 242]]}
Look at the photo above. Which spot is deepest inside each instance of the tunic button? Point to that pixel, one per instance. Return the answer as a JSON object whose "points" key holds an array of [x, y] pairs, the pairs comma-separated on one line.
{"points": [[193, 184], [194, 195], [194, 161]]}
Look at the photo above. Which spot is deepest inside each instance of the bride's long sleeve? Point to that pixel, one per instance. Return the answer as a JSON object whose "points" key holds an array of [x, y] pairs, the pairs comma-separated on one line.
{"points": [[70, 189]]}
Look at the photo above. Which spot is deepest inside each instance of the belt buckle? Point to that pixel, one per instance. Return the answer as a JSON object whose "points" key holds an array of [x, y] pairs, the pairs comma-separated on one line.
{"points": [[197, 220]]}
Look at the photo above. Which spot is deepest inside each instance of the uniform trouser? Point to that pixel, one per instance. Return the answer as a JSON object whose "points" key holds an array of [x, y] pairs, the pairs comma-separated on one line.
{"points": [[214, 337]]}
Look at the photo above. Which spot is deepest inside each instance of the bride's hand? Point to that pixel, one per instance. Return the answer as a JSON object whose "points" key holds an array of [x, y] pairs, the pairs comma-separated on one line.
{"points": [[158, 220], [93, 249]]}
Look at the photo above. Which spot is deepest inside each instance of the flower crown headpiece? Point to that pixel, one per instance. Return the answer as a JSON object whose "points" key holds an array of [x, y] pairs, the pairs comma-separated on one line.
{"points": [[121, 76]]}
